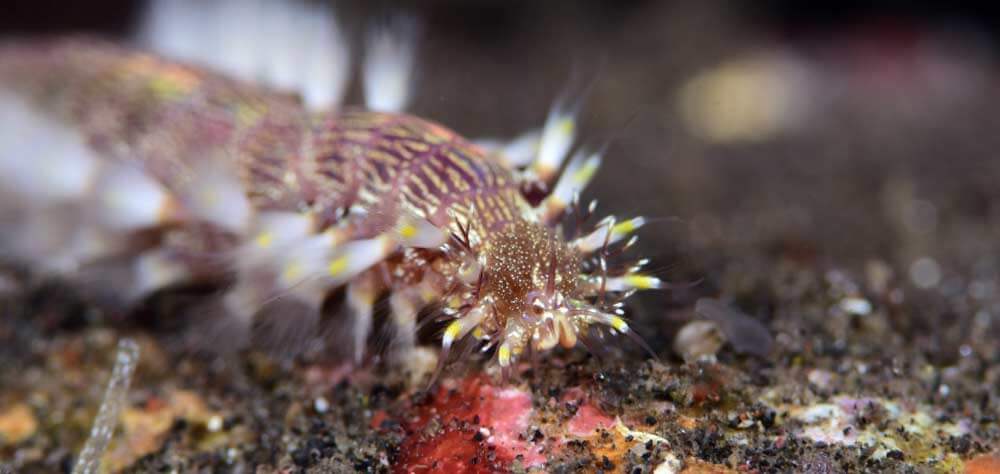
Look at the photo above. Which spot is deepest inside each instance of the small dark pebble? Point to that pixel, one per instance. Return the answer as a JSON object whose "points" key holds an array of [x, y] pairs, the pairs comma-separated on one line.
{"points": [[301, 457], [895, 454], [768, 419], [961, 444], [650, 420], [231, 421], [389, 424], [180, 425], [478, 436]]}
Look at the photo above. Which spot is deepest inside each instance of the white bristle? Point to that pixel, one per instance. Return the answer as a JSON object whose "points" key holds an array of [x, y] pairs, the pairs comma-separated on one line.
{"points": [[356, 256], [305, 52], [320, 258], [277, 228], [281, 49], [418, 232], [556, 140], [490, 145], [90, 243], [361, 296], [40, 159], [176, 28], [153, 270], [609, 232], [578, 173], [217, 196], [516, 153], [241, 302], [129, 199], [404, 308], [523, 149], [237, 38], [294, 46], [388, 65], [273, 233], [304, 260], [43, 237], [327, 61], [633, 281]]}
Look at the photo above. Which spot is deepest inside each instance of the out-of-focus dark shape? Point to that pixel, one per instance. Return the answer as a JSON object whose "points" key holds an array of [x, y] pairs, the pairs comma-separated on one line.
{"points": [[746, 334]]}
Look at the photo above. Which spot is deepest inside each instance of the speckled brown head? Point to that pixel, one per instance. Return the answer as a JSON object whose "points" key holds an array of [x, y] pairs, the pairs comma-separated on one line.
{"points": [[526, 290]]}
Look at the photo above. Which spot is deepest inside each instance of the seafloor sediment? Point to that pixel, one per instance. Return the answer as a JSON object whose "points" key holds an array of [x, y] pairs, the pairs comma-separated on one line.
{"points": [[840, 390]]}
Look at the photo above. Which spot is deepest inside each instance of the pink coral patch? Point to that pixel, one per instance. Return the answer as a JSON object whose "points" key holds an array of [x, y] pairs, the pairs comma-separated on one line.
{"points": [[484, 428], [587, 420]]}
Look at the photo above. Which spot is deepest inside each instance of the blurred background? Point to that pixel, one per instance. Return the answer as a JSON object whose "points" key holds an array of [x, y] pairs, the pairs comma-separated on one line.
{"points": [[761, 136]]}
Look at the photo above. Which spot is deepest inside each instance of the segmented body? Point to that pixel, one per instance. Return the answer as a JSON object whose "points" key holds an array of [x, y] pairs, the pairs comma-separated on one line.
{"points": [[302, 201], [173, 117]]}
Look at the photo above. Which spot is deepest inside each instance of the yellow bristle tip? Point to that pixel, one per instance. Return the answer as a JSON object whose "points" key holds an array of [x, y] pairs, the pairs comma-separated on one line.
{"points": [[264, 239], [627, 227], [567, 126], [642, 282], [337, 266], [585, 172], [292, 271], [619, 324], [408, 231], [209, 197], [451, 332], [503, 355]]}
